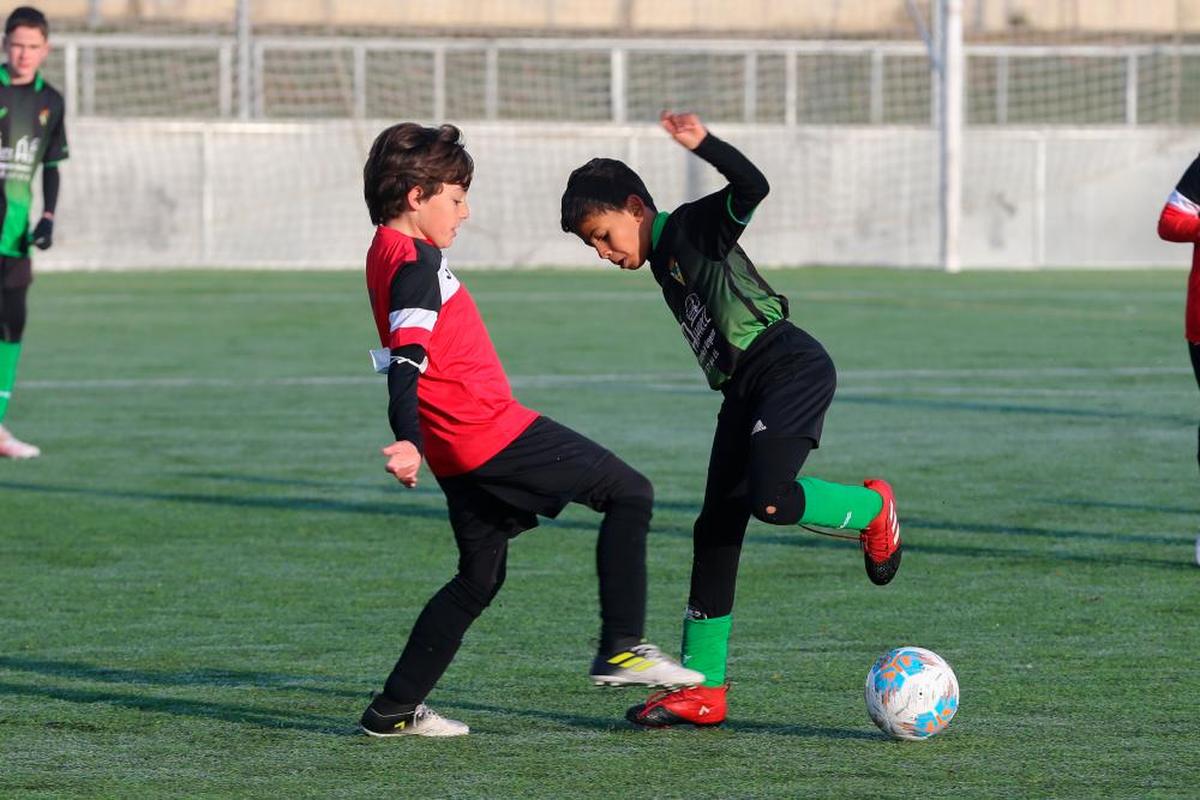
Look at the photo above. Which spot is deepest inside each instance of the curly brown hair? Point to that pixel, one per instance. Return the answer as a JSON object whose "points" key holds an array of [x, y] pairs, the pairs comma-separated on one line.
{"points": [[408, 155]]}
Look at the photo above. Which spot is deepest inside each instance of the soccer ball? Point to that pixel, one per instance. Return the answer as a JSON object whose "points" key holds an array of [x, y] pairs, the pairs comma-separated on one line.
{"points": [[912, 693]]}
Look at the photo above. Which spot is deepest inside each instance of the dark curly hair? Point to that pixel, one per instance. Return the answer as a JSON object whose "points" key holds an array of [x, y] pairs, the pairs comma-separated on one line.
{"points": [[408, 155], [602, 184]]}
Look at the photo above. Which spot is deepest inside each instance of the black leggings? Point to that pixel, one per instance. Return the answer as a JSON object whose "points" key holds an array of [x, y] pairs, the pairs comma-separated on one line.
{"points": [[612, 487], [767, 491], [12, 314], [1194, 352]]}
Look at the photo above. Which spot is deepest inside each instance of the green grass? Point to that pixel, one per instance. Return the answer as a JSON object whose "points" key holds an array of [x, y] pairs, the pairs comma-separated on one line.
{"points": [[208, 571]]}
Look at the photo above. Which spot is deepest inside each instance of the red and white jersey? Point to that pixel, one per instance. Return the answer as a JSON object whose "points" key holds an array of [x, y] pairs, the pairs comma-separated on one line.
{"points": [[1180, 222], [465, 404]]}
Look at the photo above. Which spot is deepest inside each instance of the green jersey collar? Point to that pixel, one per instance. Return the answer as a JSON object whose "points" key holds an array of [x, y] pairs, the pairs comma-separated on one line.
{"points": [[6, 78], [660, 222]]}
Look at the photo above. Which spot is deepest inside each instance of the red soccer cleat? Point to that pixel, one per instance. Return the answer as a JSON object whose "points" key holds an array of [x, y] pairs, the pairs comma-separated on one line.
{"points": [[701, 706], [881, 538]]}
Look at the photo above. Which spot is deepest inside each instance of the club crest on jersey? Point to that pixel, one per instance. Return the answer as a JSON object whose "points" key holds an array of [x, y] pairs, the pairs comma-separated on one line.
{"points": [[676, 273], [44, 116]]}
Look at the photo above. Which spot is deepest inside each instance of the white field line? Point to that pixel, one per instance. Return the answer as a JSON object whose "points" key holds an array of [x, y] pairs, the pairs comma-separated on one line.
{"points": [[643, 293], [669, 380]]}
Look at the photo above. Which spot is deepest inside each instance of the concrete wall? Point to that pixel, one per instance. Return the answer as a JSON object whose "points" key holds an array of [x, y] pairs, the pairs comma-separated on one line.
{"points": [[626, 17], [166, 195]]}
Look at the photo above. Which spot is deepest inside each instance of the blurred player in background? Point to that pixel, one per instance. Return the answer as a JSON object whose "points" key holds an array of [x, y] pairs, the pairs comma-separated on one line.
{"points": [[31, 133], [1180, 222]]}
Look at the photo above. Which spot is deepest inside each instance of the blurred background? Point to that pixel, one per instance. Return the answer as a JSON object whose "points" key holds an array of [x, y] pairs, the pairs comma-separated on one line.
{"points": [[909, 133]]}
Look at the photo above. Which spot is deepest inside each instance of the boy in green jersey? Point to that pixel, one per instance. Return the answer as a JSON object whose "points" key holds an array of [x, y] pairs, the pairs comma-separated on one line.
{"points": [[31, 133], [777, 383]]}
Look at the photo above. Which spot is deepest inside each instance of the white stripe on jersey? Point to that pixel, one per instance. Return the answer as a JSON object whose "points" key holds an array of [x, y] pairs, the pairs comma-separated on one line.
{"points": [[1183, 204], [447, 282], [412, 318], [448, 286]]}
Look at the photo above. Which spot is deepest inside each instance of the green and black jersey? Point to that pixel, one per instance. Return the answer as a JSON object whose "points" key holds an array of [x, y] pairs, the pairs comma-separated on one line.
{"points": [[31, 133], [721, 302]]}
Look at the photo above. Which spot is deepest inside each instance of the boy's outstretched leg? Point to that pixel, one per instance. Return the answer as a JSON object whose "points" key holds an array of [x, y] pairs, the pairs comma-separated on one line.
{"points": [[869, 509], [778, 497], [626, 499]]}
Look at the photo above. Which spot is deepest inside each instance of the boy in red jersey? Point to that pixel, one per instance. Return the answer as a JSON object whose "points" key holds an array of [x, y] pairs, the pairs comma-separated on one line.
{"points": [[1180, 222], [499, 464]]}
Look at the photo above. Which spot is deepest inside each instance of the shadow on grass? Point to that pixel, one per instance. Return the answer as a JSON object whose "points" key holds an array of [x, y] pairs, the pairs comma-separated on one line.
{"points": [[388, 486], [279, 718], [1118, 506], [199, 677], [1070, 534], [300, 504], [274, 718], [914, 544], [618, 723], [1012, 408]]}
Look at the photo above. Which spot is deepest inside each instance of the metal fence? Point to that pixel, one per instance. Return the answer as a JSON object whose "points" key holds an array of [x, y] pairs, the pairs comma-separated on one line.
{"points": [[616, 80]]}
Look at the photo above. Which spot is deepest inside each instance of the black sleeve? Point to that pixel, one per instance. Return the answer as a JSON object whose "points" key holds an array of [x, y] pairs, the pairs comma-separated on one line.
{"points": [[717, 221], [402, 393], [50, 180], [413, 308], [1189, 184]]}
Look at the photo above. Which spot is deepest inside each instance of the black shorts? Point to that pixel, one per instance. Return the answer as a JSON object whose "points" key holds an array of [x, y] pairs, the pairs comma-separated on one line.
{"points": [[538, 473], [15, 273], [784, 390]]}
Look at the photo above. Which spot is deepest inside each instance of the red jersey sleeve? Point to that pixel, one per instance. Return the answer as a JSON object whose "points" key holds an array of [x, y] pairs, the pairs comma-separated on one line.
{"points": [[1180, 217]]}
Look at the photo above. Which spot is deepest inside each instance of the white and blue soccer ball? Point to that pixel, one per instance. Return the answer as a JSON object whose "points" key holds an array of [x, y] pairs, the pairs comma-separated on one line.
{"points": [[912, 693]]}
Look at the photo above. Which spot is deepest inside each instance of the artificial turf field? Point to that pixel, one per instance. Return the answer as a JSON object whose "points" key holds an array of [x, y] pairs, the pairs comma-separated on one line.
{"points": [[208, 571]]}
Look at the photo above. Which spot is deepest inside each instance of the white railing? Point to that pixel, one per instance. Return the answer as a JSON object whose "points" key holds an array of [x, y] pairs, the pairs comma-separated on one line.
{"points": [[80, 82]]}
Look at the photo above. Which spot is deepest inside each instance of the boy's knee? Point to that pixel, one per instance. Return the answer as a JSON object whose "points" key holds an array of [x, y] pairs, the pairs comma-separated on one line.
{"points": [[479, 579], [638, 491], [781, 505], [474, 593], [631, 490]]}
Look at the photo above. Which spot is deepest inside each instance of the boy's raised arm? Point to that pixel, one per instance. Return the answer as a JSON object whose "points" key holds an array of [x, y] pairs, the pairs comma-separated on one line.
{"points": [[725, 217]]}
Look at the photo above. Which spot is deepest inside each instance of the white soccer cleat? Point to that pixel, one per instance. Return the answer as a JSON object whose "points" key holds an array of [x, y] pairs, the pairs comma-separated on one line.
{"points": [[424, 721], [12, 447], [642, 665]]}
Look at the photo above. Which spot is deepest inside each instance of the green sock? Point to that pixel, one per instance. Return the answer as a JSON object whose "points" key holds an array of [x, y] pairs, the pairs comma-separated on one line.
{"points": [[706, 647], [838, 505], [10, 354]]}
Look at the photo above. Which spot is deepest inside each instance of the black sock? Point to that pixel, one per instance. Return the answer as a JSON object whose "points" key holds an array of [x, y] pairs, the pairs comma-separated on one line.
{"points": [[618, 644], [389, 707]]}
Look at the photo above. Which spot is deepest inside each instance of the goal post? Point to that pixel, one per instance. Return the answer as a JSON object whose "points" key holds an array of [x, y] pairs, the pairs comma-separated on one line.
{"points": [[950, 65]]}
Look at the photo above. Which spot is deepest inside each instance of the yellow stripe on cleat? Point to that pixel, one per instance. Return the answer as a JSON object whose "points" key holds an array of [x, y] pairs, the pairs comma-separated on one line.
{"points": [[621, 657], [647, 665], [633, 662]]}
